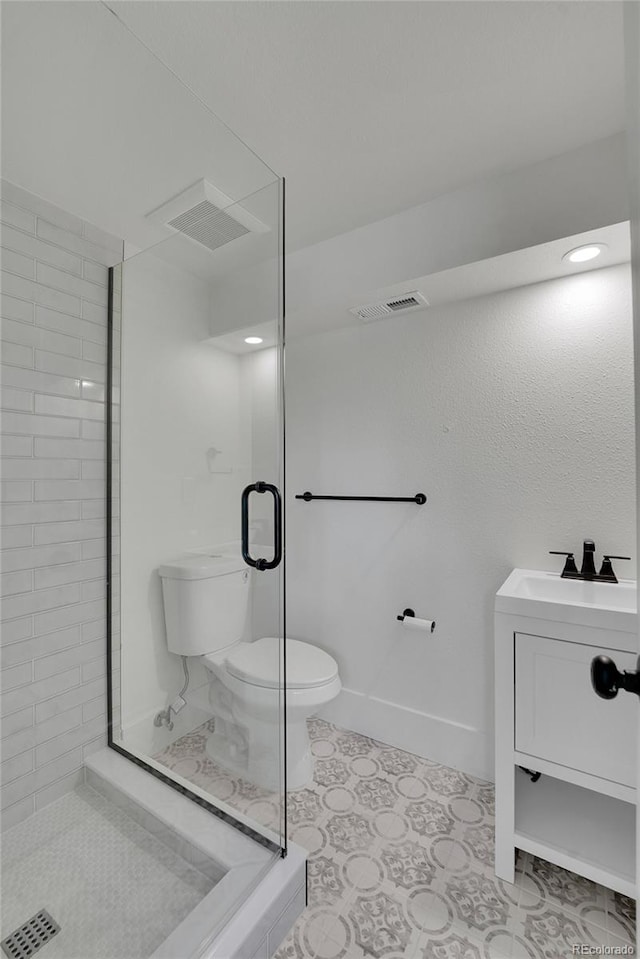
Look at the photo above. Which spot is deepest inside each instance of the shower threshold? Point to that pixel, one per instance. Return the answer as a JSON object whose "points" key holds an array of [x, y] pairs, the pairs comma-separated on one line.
{"points": [[132, 869]]}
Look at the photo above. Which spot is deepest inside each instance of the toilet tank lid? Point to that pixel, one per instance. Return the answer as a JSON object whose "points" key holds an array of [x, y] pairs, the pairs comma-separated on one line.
{"points": [[201, 566], [259, 663]]}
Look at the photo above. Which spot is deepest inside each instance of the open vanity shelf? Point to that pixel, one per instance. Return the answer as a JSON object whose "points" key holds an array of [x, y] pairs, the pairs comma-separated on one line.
{"points": [[576, 828], [580, 813]]}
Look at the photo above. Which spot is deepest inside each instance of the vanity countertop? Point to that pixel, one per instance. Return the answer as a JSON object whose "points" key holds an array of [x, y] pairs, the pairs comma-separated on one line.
{"points": [[543, 595]]}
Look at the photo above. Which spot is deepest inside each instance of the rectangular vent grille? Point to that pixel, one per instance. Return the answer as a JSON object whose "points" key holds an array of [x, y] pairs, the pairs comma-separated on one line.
{"points": [[208, 225], [31, 936], [403, 304], [375, 311], [372, 312]]}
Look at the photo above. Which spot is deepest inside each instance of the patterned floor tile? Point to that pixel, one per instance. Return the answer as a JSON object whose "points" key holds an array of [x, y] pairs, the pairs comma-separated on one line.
{"points": [[550, 933], [623, 947], [479, 902], [458, 944], [621, 916], [380, 924], [572, 894], [293, 947], [401, 861]]}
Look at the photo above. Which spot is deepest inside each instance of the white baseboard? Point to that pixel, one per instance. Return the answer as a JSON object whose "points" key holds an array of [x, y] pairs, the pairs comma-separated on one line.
{"points": [[442, 740], [432, 737]]}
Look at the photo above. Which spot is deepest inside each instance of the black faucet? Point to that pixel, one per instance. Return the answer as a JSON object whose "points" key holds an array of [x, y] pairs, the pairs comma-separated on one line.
{"points": [[588, 568]]}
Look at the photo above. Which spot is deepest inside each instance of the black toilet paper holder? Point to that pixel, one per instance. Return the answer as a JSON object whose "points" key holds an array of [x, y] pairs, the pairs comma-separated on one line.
{"points": [[409, 613], [406, 612]]}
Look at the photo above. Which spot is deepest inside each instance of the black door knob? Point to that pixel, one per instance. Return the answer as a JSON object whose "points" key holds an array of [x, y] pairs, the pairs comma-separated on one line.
{"points": [[607, 679]]}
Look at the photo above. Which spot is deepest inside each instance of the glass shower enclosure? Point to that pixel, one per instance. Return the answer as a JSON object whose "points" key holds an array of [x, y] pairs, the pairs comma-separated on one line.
{"points": [[196, 578], [160, 841]]}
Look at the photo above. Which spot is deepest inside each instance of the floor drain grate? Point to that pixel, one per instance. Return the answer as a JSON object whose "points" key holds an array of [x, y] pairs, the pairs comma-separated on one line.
{"points": [[31, 936]]}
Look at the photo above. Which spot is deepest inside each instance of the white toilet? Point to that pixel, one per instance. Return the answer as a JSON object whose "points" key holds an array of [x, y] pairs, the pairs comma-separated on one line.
{"points": [[206, 603]]}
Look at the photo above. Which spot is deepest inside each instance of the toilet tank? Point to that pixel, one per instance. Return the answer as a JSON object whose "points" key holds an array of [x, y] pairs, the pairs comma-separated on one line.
{"points": [[206, 602]]}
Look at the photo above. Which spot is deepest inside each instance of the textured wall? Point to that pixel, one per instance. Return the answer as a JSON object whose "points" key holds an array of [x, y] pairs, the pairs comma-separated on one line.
{"points": [[514, 414], [54, 309]]}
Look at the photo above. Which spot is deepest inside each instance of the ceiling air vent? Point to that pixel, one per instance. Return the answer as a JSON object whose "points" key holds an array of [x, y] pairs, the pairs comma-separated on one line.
{"points": [[206, 215], [375, 311]]}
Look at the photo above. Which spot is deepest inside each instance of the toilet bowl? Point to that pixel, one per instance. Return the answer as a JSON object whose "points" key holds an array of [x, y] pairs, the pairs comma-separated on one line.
{"points": [[247, 681], [206, 603]]}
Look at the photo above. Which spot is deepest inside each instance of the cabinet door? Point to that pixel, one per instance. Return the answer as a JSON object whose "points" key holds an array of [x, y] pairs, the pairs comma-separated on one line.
{"points": [[560, 718]]}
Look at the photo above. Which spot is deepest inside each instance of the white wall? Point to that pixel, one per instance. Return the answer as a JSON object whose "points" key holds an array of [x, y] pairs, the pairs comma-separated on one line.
{"points": [[180, 396], [54, 331], [514, 414]]}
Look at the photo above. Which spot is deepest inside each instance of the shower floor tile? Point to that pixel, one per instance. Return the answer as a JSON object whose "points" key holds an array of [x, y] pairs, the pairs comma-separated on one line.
{"points": [[114, 889], [401, 861]]}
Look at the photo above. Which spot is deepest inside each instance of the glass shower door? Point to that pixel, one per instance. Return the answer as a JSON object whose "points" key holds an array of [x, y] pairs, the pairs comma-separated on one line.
{"points": [[197, 474]]}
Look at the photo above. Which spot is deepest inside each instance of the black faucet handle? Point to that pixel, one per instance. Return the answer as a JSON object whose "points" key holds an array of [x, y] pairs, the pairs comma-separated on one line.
{"points": [[570, 563], [606, 570]]}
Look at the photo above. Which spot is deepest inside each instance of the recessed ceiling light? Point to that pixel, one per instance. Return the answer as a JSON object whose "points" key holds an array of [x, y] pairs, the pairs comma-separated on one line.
{"points": [[583, 253], [253, 340]]}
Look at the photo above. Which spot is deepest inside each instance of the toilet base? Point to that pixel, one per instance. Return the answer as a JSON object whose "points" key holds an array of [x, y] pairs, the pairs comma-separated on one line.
{"points": [[255, 758], [223, 753], [248, 739], [299, 756]]}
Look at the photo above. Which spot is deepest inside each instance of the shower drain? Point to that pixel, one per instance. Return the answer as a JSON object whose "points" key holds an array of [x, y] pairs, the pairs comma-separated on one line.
{"points": [[31, 936]]}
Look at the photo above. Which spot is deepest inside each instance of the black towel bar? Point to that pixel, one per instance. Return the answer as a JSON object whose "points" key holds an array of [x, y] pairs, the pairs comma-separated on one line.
{"points": [[419, 498]]}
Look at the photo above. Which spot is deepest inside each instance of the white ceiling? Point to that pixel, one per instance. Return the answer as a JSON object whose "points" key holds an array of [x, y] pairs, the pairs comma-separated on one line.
{"points": [[95, 124], [367, 108]]}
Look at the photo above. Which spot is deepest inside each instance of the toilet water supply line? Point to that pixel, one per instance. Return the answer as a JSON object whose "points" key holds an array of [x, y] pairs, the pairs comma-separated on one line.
{"points": [[163, 718]]}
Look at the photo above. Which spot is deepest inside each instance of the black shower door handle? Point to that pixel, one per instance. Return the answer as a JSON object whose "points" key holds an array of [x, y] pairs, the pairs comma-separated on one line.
{"points": [[261, 564]]}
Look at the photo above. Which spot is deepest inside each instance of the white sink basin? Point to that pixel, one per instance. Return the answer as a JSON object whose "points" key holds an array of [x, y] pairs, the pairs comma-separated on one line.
{"points": [[531, 592]]}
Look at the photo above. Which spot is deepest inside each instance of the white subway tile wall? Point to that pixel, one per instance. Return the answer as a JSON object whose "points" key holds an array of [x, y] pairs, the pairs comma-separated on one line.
{"points": [[53, 649]]}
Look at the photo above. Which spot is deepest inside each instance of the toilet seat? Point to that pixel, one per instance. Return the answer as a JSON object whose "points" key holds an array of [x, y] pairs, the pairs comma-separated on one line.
{"points": [[258, 664]]}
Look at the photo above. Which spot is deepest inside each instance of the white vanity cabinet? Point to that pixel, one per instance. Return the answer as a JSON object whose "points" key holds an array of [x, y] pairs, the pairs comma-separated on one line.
{"points": [[559, 718], [580, 814]]}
